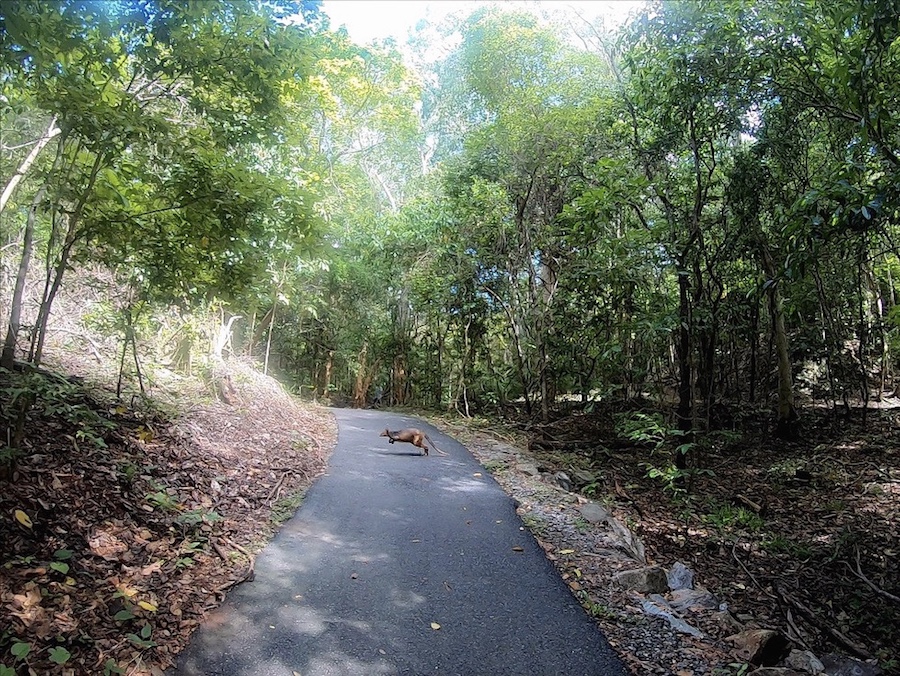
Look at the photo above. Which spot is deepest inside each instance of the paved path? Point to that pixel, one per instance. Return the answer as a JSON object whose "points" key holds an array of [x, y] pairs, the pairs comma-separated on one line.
{"points": [[385, 544]]}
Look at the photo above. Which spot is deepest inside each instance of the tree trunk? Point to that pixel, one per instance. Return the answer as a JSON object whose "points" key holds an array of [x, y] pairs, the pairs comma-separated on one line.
{"points": [[684, 411], [52, 131], [43, 318], [329, 370], [269, 340], [37, 344], [786, 425], [15, 311]]}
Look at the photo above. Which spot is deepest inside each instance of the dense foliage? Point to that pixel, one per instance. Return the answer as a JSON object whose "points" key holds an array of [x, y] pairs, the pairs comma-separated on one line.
{"points": [[699, 210]]}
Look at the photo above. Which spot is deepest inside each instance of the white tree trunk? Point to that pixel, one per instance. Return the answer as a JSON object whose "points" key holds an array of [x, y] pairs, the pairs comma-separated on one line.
{"points": [[52, 131]]}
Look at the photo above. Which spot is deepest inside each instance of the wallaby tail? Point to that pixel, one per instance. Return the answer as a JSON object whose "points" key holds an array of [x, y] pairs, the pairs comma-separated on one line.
{"points": [[440, 452]]}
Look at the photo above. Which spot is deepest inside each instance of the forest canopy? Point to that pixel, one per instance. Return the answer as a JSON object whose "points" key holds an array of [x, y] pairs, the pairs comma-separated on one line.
{"points": [[510, 213]]}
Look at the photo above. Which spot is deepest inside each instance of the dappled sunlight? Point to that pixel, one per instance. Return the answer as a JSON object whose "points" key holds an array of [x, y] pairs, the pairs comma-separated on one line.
{"points": [[406, 599], [339, 664], [462, 485]]}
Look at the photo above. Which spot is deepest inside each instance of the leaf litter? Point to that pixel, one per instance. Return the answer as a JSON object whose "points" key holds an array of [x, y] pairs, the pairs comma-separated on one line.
{"points": [[154, 525]]}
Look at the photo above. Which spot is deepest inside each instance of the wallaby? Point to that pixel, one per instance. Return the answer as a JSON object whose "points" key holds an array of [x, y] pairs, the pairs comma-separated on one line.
{"points": [[413, 436]]}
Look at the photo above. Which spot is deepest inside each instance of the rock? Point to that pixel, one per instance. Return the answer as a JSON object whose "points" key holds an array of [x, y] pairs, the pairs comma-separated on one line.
{"points": [[728, 622], [680, 577], [775, 671], [528, 468], [581, 477], [628, 541], [563, 481], [593, 513], [693, 599], [648, 580], [838, 665], [761, 647], [805, 661], [657, 607]]}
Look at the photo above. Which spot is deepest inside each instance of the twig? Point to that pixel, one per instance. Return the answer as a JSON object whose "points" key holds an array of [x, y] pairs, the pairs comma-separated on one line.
{"points": [[838, 636], [277, 489], [248, 576], [878, 590], [746, 570], [221, 552], [237, 547], [798, 636], [747, 502]]}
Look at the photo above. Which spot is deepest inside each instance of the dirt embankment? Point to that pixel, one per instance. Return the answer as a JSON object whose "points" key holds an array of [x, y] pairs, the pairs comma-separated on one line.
{"points": [[121, 526]]}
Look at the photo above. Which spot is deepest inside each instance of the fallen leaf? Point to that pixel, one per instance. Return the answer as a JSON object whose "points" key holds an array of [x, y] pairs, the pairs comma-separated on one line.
{"points": [[435, 626], [151, 568], [146, 605], [566, 551], [23, 519], [126, 591]]}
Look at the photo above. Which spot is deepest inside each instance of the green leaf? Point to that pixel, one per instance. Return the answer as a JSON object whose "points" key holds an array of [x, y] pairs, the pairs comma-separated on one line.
{"points": [[62, 554], [59, 655], [124, 615], [146, 630], [7, 671], [109, 668], [20, 650], [140, 642], [60, 567]]}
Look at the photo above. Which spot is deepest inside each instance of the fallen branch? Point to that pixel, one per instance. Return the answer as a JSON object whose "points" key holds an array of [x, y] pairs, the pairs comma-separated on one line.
{"points": [[90, 341], [221, 552], [277, 488], [875, 588], [747, 571], [238, 547], [813, 618], [797, 635], [248, 576], [748, 503]]}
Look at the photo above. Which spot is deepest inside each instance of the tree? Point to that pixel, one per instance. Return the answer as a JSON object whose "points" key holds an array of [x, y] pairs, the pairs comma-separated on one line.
{"points": [[160, 105]]}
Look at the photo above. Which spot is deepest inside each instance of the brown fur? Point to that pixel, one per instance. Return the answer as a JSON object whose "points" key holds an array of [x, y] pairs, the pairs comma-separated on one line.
{"points": [[412, 436]]}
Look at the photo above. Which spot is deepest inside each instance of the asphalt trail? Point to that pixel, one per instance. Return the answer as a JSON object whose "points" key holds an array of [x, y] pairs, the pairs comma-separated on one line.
{"points": [[384, 545]]}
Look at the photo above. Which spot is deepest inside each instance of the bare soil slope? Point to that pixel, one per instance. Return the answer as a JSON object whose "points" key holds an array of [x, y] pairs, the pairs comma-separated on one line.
{"points": [[119, 533]]}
